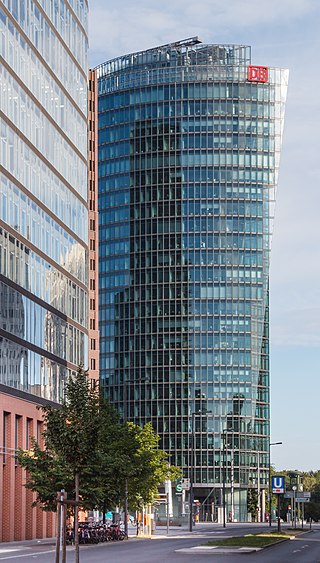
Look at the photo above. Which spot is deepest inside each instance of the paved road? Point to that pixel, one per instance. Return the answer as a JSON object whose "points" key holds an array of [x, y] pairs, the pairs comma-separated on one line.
{"points": [[303, 549], [160, 549]]}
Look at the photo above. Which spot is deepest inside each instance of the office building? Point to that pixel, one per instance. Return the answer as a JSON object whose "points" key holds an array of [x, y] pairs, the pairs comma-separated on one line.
{"points": [[44, 231], [189, 146]]}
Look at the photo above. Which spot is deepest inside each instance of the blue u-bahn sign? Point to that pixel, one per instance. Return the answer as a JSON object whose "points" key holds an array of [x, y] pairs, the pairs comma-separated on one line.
{"points": [[278, 484]]}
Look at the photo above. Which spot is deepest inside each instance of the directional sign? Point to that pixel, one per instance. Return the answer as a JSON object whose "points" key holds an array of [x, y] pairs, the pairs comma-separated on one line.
{"points": [[290, 494], [278, 484], [303, 496]]}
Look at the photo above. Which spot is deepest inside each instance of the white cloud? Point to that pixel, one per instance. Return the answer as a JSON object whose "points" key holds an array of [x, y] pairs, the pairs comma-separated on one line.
{"points": [[126, 26]]}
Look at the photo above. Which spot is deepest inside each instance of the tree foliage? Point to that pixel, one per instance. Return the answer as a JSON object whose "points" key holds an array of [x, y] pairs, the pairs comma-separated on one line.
{"points": [[307, 481], [85, 436], [252, 503]]}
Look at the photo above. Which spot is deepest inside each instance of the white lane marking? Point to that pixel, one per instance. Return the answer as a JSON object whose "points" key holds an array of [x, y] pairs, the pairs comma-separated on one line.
{"points": [[11, 549], [27, 555]]}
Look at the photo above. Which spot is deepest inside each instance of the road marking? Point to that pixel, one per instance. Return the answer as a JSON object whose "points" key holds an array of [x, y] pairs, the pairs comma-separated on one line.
{"points": [[27, 555], [11, 549], [217, 549]]}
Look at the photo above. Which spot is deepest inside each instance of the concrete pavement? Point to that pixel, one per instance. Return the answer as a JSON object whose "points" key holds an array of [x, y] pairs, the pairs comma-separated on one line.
{"points": [[44, 549]]}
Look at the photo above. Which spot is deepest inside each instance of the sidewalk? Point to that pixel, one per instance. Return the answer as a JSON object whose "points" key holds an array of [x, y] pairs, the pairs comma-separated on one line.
{"points": [[11, 550], [28, 543]]}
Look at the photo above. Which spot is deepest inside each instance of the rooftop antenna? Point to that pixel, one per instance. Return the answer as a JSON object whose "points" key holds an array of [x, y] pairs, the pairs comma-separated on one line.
{"points": [[183, 43]]}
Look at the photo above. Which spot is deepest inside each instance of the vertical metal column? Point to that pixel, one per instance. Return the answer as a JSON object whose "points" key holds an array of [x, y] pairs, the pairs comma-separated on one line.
{"points": [[191, 473]]}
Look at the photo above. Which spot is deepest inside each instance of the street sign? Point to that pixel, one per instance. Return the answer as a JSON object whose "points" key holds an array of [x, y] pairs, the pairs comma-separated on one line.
{"points": [[185, 484], [300, 496], [161, 498], [303, 496], [278, 484]]}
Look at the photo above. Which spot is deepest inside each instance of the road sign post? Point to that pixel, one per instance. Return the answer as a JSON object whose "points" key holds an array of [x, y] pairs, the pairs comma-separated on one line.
{"points": [[185, 484], [278, 484], [278, 488], [279, 525], [294, 519]]}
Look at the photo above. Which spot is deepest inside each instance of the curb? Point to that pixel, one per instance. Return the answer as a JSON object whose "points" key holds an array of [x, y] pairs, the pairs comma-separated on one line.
{"points": [[218, 549]]}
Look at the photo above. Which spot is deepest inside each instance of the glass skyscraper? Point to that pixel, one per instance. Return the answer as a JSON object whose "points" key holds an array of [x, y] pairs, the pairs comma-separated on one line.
{"points": [[189, 146], [43, 231], [44, 213]]}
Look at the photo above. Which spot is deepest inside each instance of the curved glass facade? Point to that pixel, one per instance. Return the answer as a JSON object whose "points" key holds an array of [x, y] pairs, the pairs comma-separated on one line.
{"points": [[43, 194], [188, 159]]}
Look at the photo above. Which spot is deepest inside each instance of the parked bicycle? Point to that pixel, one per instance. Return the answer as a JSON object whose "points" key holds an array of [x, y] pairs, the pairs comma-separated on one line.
{"points": [[96, 533]]}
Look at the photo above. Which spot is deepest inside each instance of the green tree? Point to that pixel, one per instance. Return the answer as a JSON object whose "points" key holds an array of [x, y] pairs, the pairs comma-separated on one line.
{"points": [[85, 441], [69, 446], [311, 482], [252, 503], [68, 438], [46, 474], [143, 465]]}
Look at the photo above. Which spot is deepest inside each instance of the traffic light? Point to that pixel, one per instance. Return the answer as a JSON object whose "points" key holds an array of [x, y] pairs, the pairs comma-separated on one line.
{"points": [[295, 479]]}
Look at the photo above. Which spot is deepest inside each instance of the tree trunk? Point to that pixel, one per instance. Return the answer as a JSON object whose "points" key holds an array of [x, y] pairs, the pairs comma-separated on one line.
{"points": [[104, 512], [58, 532], [76, 518], [126, 508], [64, 531]]}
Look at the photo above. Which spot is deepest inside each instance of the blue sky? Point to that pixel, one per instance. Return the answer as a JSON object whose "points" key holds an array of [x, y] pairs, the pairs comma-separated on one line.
{"points": [[282, 33]]}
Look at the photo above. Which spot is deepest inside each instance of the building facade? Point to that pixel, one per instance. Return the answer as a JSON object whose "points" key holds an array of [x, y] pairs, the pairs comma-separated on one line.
{"points": [[189, 146], [43, 229], [93, 321]]}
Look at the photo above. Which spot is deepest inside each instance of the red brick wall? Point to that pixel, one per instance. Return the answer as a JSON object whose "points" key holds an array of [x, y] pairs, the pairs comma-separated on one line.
{"points": [[18, 520], [93, 333]]}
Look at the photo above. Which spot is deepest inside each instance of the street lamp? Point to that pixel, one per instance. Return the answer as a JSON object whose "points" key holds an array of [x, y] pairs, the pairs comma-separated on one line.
{"points": [[224, 472], [270, 509], [191, 473], [192, 464], [125, 417]]}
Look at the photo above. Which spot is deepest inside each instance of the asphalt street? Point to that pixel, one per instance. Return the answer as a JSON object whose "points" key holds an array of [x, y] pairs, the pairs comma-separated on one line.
{"points": [[162, 549]]}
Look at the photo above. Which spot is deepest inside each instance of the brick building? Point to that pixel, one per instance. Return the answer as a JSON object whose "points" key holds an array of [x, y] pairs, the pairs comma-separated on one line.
{"points": [[48, 285]]}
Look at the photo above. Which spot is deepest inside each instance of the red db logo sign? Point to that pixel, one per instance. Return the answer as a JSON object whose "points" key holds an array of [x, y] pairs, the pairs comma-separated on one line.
{"points": [[258, 73]]}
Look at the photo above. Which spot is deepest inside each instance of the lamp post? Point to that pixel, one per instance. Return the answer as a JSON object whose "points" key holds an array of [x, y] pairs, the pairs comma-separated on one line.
{"points": [[259, 488], [125, 417], [192, 464], [192, 472], [224, 472], [270, 508]]}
